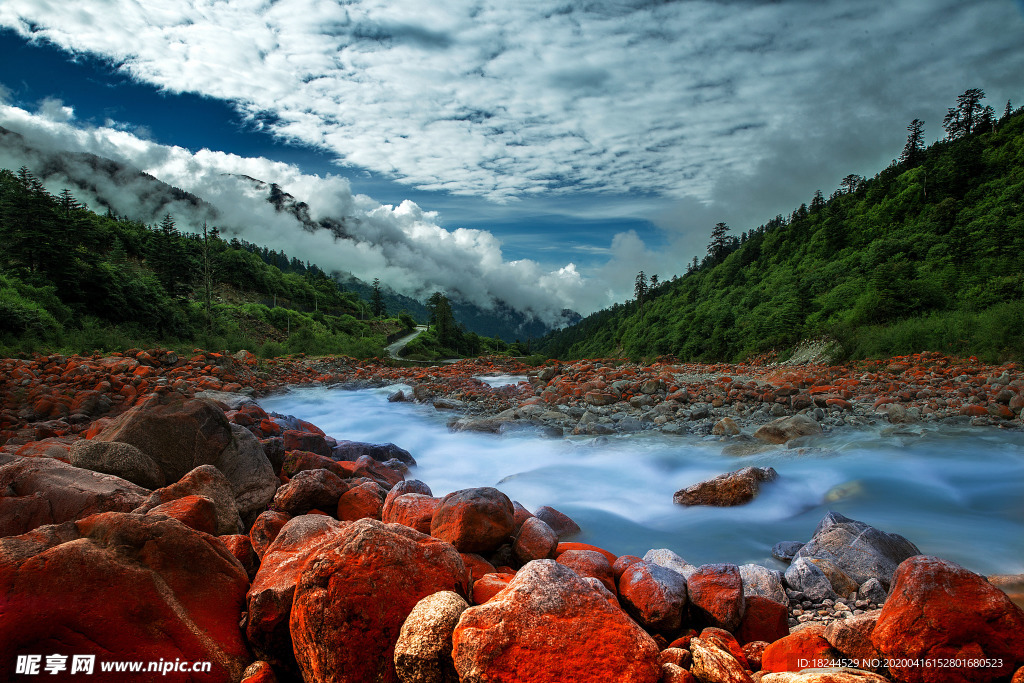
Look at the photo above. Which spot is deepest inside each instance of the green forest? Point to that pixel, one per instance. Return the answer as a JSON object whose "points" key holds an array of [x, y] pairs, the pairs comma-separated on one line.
{"points": [[926, 255]]}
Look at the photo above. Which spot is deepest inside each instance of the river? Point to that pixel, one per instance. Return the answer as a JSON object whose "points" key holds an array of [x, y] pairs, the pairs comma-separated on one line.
{"points": [[956, 492]]}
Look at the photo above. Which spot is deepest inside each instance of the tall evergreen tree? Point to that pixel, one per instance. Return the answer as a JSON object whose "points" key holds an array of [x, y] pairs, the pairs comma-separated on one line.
{"points": [[718, 247], [913, 151], [377, 305], [640, 290], [962, 120]]}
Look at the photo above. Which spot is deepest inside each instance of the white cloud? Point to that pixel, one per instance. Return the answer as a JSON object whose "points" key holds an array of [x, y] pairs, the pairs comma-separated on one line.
{"points": [[520, 99]]}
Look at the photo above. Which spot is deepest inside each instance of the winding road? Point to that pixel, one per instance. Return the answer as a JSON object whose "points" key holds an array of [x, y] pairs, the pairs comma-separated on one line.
{"points": [[393, 349]]}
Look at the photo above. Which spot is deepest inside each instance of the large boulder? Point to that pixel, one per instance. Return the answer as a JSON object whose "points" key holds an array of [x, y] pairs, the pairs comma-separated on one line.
{"points": [[423, 653], [535, 541], [270, 597], [726, 490], [787, 428], [716, 595], [550, 626], [206, 481], [39, 491], [124, 587], [353, 597], [252, 476], [381, 452], [474, 520], [414, 510], [767, 583], [119, 459], [806, 648], [308, 490], [939, 610], [653, 595], [805, 577], [858, 549]]}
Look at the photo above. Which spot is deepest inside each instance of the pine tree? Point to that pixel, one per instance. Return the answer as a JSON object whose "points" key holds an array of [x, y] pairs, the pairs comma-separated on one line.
{"points": [[851, 183], [640, 289], [962, 120], [817, 204], [718, 247], [377, 305], [913, 151]]}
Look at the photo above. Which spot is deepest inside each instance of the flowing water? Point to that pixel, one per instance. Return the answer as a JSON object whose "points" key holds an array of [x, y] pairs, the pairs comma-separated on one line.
{"points": [[956, 492]]}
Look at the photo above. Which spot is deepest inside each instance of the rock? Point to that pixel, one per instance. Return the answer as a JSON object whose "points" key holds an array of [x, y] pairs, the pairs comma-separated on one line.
{"points": [[196, 512], [589, 563], [381, 452], [265, 529], [475, 565], [622, 562], [308, 490], [535, 541], [786, 550], [423, 653], [852, 637], [549, 626], [311, 442], [714, 664], [240, 546], [122, 586], [206, 481], [259, 672], [474, 520], [39, 491], [767, 583], [753, 651], [716, 594], [799, 650], [806, 577], [844, 675], [119, 459], [725, 490], [842, 584], [407, 486], [765, 620], [252, 477], [937, 609], [560, 523], [787, 428], [663, 557], [489, 585], [353, 597], [726, 641], [872, 591], [365, 500], [232, 400], [673, 673], [726, 427], [270, 597], [414, 510], [653, 595], [573, 545], [600, 398], [860, 550]]}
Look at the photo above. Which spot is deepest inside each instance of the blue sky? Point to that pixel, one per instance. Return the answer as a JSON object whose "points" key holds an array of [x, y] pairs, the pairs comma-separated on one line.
{"points": [[551, 150]]}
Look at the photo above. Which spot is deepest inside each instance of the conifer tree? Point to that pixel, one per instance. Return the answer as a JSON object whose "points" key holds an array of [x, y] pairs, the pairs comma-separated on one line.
{"points": [[913, 151], [377, 305], [962, 120]]}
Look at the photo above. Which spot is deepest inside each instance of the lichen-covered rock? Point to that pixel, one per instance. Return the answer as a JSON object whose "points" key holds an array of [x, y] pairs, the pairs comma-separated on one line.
{"points": [[423, 653], [549, 626], [309, 490], [787, 428], [119, 459], [713, 663], [560, 523], [656, 597], [206, 481], [353, 597], [535, 541], [726, 490], [474, 520], [414, 510], [798, 650], [716, 593], [767, 583]]}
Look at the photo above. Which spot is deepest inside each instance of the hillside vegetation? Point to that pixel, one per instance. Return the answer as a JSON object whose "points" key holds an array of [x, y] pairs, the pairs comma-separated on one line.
{"points": [[927, 255]]}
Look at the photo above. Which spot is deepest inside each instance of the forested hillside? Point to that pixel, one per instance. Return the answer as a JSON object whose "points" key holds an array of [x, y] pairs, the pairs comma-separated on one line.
{"points": [[71, 279], [927, 255]]}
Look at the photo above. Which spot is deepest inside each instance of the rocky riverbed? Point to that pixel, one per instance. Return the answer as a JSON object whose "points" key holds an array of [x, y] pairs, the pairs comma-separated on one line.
{"points": [[151, 510]]}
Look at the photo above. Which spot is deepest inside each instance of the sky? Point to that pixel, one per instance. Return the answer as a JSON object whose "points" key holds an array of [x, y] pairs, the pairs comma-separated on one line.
{"points": [[537, 151]]}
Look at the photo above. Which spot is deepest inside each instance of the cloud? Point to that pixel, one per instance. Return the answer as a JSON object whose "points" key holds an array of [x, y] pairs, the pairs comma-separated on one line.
{"points": [[403, 245], [518, 100]]}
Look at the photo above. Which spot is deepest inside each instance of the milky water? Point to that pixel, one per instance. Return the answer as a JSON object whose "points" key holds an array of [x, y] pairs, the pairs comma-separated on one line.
{"points": [[956, 492]]}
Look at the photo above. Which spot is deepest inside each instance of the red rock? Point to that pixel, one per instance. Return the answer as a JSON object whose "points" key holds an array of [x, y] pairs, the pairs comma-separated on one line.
{"points": [[270, 597], [716, 593], [519, 515], [589, 563], [206, 481], [535, 541], [852, 637], [414, 510], [726, 641], [39, 491], [1000, 411], [974, 411], [753, 651], [560, 523], [653, 595], [764, 620], [806, 648], [549, 626], [489, 585], [475, 565], [569, 545], [365, 500], [240, 546], [123, 586], [671, 673], [474, 520], [265, 529], [307, 490], [711, 662], [351, 600], [939, 610], [197, 512], [306, 441], [259, 672], [300, 461], [675, 655], [622, 562]]}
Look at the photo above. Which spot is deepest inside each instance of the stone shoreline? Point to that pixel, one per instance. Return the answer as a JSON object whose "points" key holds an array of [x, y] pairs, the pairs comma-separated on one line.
{"points": [[156, 480]]}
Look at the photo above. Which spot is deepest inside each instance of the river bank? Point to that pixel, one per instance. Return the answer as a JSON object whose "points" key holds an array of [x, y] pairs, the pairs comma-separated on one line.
{"points": [[277, 510]]}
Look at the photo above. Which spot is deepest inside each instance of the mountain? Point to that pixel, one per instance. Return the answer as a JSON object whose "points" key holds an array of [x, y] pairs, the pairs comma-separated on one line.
{"points": [[124, 190], [927, 255]]}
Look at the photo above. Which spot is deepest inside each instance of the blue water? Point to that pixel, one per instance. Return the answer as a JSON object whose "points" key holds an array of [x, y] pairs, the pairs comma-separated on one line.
{"points": [[955, 492]]}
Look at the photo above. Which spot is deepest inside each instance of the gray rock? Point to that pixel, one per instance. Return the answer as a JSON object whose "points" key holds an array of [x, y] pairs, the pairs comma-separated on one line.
{"points": [[248, 469], [663, 557], [423, 653], [232, 400], [786, 550], [860, 550], [726, 490], [381, 452], [767, 583], [787, 428], [805, 577], [206, 481], [119, 459], [653, 595], [872, 591]]}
